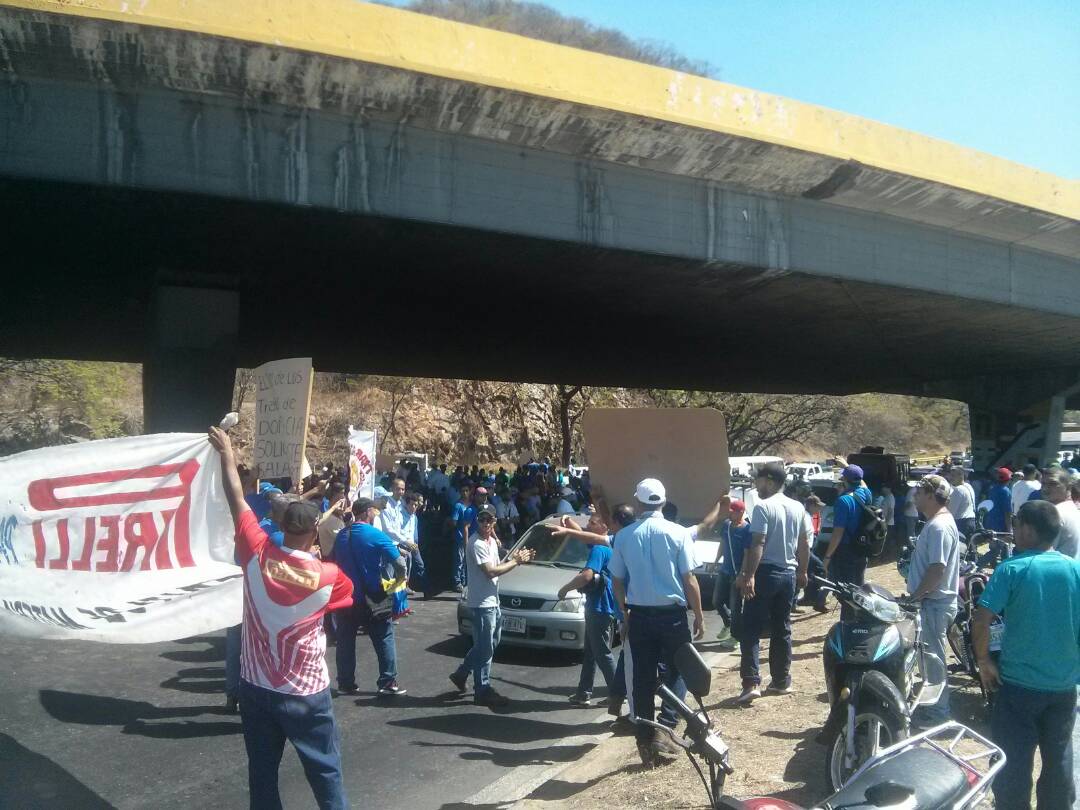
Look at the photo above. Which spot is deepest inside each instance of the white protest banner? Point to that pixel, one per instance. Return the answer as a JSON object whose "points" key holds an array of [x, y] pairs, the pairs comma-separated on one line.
{"points": [[361, 463], [282, 400], [122, 540]]}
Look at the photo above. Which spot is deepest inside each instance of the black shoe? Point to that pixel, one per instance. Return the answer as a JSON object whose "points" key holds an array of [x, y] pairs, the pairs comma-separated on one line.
{"points": [[614, 706], [232, 704], [492, 699], [459, 681], [581, 699], [349, 690], [459, 589], [391, 690]]}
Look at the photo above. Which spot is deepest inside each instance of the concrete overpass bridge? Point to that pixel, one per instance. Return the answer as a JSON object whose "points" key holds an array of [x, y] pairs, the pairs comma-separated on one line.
{"points": [[196, 185]]}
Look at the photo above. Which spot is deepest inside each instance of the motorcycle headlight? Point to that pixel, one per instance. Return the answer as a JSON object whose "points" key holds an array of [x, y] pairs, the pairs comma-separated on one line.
{"points": [[572, 605]]}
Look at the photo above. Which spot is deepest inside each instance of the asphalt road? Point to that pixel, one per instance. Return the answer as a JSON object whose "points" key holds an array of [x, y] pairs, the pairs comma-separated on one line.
{"points": [[93, 725]]}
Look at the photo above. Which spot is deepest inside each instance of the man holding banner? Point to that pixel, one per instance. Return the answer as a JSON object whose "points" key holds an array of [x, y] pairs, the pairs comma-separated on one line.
{"points": [[284, 681]]}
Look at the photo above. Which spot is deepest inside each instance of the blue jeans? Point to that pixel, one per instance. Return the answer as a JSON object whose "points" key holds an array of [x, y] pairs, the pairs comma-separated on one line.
{"points": [[233, 643], [460, 574], [1023, 719], [486, 633], [774, 588], [417, 568], [307, 721], [381, 632], [598, 635], [847, 566], [722, 597], [655, 634], [937, 616]]}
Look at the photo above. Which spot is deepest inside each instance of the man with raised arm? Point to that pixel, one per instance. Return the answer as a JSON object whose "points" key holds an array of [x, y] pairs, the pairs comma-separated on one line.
{"points": [[284, 682]]}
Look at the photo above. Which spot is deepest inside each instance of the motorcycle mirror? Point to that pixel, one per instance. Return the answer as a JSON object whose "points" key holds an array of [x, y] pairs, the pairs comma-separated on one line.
{"points": [[694, 670], [888, 794]]}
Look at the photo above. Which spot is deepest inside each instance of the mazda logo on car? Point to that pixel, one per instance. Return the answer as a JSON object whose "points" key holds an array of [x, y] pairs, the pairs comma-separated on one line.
{"points": [[515, 602]]}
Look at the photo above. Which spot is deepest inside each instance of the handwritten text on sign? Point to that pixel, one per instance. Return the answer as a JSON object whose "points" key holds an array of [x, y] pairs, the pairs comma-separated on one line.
{"points": [[283, 393]]}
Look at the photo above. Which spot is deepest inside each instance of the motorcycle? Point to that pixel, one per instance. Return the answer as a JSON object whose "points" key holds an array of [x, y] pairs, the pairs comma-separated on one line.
{"points": [[934, 770], [973, 581], [877, 670]]}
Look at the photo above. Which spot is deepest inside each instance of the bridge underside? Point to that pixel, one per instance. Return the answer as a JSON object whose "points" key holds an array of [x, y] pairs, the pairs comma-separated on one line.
{"points": [[377, 295]]}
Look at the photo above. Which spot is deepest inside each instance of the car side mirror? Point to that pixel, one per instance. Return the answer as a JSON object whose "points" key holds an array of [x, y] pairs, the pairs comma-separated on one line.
{"points": [[888, 794], [695, 672]]}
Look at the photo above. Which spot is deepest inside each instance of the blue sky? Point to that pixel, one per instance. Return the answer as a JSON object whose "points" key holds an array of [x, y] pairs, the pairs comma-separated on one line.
{"points": [[1002, 76]]}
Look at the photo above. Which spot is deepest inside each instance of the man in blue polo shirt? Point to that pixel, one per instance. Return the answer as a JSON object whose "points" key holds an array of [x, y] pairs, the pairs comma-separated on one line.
{"points": [[842, 562], [366, 555], [652, 568], [1037, 591]]}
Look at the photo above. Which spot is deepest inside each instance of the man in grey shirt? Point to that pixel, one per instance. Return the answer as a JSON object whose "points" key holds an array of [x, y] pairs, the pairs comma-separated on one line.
{"points": [[933, 581], [768, 581]]}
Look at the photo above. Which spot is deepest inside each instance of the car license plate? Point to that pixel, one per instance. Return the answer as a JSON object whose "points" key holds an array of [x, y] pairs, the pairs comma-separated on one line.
{"points": [[512, 624]]}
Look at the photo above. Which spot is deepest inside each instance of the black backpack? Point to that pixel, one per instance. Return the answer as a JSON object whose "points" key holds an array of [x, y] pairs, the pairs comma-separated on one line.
{"points": [[869, 540]]}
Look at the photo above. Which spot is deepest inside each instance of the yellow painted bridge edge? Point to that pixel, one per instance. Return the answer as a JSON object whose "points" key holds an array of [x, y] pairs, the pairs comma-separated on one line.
{"points": [[416, 42]]}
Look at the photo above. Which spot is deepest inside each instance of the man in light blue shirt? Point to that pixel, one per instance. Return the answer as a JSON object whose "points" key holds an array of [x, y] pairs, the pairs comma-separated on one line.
{"points": [[652, 573]]}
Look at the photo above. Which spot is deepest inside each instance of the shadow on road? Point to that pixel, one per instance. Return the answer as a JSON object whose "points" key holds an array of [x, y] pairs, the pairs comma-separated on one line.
{"points": [[136, 717], [37, 781], [513, 757], [497, 728], [198, 681], [214, 652]]}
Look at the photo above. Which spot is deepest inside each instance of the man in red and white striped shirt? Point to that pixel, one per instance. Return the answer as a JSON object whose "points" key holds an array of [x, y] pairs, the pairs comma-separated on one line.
{"points": [[284, 682]]}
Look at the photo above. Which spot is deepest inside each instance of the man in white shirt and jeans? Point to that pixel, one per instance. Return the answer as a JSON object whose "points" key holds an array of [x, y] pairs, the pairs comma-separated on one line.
{"points": [[482, 561], [772, 569], [933, 581]]}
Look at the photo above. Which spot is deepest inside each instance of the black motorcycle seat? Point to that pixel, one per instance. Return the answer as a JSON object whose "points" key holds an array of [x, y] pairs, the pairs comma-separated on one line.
{"points": [[937, 781]]}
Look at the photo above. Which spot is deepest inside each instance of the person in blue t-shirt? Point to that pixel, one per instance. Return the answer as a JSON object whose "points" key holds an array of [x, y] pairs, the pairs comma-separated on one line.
{"points": [[999, 519], [1037, 590], [842, 563], [601, 614], [464, 520], [367, 556], [735, 538]]}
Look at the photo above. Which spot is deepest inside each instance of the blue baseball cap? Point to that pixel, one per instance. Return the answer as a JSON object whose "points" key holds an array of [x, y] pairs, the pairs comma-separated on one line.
{"points": [[852, 472], [382, 492], [266, 488]]}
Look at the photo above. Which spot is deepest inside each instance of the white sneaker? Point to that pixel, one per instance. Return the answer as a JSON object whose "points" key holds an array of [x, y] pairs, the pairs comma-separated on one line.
{"points": [[748, 696], [780, 690]]}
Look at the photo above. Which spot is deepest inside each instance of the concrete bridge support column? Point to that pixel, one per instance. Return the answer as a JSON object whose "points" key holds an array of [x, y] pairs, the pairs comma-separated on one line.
{"points": [[1013, 437], [190, 363]]}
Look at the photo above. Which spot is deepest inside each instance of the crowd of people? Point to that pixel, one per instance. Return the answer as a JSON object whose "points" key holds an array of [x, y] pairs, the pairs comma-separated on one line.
{"points": [[316, 565]]}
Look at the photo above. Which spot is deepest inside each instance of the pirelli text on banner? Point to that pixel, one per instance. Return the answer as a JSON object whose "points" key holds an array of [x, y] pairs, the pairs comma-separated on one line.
{"points": [[125, 540]]}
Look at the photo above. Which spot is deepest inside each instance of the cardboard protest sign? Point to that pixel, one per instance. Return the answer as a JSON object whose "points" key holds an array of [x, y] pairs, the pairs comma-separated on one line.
{"points": [[685, 448], [122, 540], [362, 446], [282, 401]]}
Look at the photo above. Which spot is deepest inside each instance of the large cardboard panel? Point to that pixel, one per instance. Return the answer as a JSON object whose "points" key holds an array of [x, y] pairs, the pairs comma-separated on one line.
{"points": [[686, 448]]}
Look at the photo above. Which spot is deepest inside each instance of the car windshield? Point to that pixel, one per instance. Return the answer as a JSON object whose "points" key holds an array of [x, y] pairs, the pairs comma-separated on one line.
{"points": [[562, 551]]}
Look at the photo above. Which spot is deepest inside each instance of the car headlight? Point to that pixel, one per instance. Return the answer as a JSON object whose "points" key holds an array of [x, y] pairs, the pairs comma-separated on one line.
{"points": [[572, 605]]}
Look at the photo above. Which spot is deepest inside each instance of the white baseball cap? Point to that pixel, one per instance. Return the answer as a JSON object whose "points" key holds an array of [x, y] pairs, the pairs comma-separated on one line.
{"points": [[650, 492]]}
